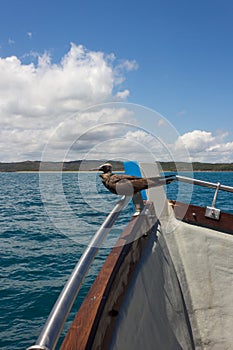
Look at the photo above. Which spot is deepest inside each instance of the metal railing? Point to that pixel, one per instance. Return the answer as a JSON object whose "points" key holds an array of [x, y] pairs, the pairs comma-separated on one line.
{"points": [[55, 322], [204, 183], [211, 212]]}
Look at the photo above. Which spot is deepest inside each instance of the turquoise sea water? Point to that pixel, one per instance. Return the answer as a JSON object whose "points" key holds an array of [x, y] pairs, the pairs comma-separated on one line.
{"points": [[40, 249]]}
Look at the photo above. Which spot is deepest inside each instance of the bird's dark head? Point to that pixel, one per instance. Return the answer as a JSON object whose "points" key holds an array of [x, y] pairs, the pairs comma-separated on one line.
{"points": [[106, 168]]}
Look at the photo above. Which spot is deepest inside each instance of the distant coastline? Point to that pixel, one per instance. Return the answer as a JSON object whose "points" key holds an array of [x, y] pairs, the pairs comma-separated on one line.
{"points": [[87, 165]]}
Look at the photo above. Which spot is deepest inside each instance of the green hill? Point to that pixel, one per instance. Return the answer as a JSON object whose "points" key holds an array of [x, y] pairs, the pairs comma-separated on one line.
{"points": [[86, 165], [83, 165], [197, 166]]}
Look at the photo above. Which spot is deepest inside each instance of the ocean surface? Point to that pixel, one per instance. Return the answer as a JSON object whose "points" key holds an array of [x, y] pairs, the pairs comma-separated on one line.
{"points": [[43, 233]]}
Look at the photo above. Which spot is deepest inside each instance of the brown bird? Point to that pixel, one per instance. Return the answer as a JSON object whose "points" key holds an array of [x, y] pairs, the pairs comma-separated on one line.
{"points": [[127, 184]]}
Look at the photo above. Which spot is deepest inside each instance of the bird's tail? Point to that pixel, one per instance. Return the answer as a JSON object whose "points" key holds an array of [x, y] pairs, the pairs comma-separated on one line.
{"points": [[160, 180]]}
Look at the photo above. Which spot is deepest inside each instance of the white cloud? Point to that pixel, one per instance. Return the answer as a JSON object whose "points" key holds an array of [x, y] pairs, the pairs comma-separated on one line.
{"points": [[128, 65], [126, 142], [122, 95], [35, 98], [161, 122], [196, 141], [206, 147], [11, 41], [125, 65], [181, 113], [48, 102]]}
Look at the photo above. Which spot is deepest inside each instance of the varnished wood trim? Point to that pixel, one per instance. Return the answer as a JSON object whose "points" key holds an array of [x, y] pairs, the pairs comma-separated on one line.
{"points": [[93, 324], [196, 215]]}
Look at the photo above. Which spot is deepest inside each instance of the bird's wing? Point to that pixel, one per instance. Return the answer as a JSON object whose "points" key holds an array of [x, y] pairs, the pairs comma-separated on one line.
{"points": [[116, 178], [138, 183], [142, 181], [161, 180]]}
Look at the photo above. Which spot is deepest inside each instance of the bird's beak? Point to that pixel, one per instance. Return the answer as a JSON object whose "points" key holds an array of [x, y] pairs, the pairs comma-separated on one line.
{"points": [[95, 169]]}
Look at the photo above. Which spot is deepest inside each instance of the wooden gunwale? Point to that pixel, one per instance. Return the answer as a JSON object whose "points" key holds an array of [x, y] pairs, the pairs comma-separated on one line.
{"points": [[94, 322], [195, 215]]}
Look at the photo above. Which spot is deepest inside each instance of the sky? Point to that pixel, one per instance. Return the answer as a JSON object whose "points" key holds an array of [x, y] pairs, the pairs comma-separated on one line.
{"points": [[149, 80]]}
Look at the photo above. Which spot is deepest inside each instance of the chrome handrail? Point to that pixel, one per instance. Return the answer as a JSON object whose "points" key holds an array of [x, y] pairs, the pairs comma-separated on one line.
{"points": [[204, 183], [49, 336]]}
